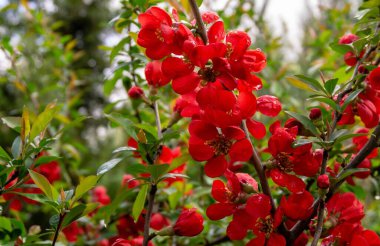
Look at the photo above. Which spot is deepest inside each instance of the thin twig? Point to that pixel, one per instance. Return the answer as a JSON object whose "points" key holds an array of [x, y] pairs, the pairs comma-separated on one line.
{"points": [[201, 30], [259, 169], [61, 217]]}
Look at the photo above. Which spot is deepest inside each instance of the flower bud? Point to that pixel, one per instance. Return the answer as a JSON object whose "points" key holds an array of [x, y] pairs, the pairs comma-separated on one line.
{"points": [[323, 181], [189, 223], [315, 113], [135, 92]]}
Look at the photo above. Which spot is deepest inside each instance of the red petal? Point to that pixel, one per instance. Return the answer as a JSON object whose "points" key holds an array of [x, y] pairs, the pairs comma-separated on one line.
{"points": [[241, 151], [174, 67], [269, 105], [216, 32], [233, 132], [258, 206], [216, 166], [198, 150], [291, 182], [256, 128], [218, 211], [160, 14], [240, 41], [186, 84], [219, 191], [276, 240], [235, 231], [246, 104], [202, 130]]}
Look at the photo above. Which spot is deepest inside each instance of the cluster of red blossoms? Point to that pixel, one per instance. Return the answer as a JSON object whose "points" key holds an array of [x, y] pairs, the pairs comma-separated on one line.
{"points": [[216, 81], [367, 104]]}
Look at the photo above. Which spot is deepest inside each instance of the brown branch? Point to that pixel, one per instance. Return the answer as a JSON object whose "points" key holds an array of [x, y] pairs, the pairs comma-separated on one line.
{"points": [[201, 29], [152, 195], [255, 159]]}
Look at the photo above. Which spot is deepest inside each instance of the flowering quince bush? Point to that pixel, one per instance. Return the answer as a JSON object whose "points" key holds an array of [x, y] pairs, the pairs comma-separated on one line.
{"points": [[208, 169]]}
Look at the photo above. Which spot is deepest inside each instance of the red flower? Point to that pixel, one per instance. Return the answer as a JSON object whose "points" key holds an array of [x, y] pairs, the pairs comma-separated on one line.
{"points": [[135, 92], [187, 106], [286, 159], [297, 206], [189, 223], [348, 38], [99, 194], [207, 144], [315, 113], [158, 221], [323, 181], [263, 223], [349, 58], [230, 197], [360, 141], [154, 75], [126, 227], [269, 105], [129, 182], [374, 78], [72, 232], [156, 34]]}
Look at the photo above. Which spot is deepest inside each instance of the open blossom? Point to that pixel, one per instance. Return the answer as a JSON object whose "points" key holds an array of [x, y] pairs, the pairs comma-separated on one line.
{"points": [[374, 78], [230, 196], [349, 58], [189, 223], [206, 143]]}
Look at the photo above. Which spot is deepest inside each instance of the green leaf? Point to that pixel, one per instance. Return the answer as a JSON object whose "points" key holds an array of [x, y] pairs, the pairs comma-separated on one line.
{"points": [[16, 147], [350, 98], [77, 212], [42, 120], [348, 136], [299, 84], [341, 48], [54, 220], [330, 85], [45, 159], [138, 205], [42, 183], [108, 166], [4, 155], [179, 161], [157, 170], [115, 51], [300, 142], [123, 149], [122, 121], [351, 171], [328, 101], [314, 84], [13, 123], [85, 185], [25, 126], [306, 122]]}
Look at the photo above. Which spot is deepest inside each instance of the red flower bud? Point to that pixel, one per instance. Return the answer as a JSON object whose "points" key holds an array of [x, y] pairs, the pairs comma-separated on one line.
{"points": [[315, 113], [189, 223], [323, 181], [135, 92], [348, 38]]}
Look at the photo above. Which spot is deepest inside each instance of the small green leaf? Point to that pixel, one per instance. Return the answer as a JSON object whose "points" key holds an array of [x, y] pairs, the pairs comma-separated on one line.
{"points": [[299, 84], [123, 149], [313, 83], [54, 220], [122, 121], [330, 85], [45, 159], [157, 170], [42, 120], [85, 185], [13, 123], [348, 136], [43, 183], [16, 147], [341, 48], [306, 122], [77, 212], [328, 101], [350, 98], [351, 171], [139, 203], [108, 166], [25, 126], [4, 155], [301, 142]]}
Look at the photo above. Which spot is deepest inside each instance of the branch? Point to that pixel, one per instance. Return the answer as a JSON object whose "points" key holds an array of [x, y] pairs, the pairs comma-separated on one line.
{"points": [[259, 169], [61, 217], [201, 30]]}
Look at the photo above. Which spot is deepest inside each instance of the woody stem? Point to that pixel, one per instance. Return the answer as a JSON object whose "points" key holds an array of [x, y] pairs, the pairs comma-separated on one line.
{"points": [[201, 30]]}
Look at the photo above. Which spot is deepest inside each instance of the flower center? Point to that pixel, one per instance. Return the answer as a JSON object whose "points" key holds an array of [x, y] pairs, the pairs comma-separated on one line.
{"points": [[265, 225], [220, 144], [159, 35], [283, 162], [208, 74]]}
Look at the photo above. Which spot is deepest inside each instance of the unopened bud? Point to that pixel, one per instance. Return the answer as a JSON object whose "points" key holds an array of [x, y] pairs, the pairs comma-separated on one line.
{"points": [[135, 92], [323, 181], [315, 113]]}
